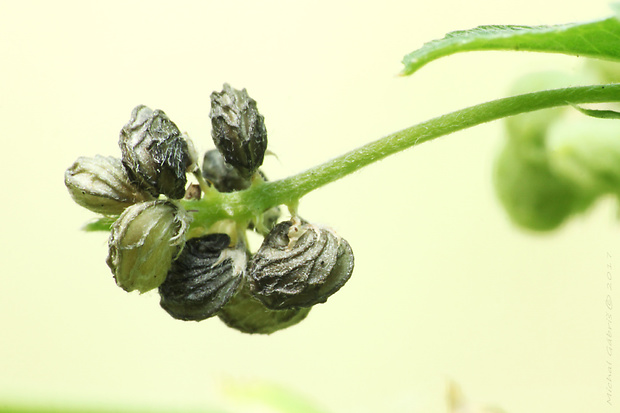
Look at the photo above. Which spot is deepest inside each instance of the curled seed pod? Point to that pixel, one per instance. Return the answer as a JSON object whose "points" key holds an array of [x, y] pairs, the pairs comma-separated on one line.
{"points": [[224, 177], [238, 129], [299, 264], [203, 278], [143, 242], [247, 314], [101, 184], [155, 152]]}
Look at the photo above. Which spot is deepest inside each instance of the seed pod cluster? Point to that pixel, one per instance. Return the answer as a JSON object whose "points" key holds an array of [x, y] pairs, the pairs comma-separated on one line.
{"points": [[298, 266], [207, 271]]}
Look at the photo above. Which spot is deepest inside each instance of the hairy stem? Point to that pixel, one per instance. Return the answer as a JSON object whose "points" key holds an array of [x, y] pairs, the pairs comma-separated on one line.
{"points": [[245, 204]]}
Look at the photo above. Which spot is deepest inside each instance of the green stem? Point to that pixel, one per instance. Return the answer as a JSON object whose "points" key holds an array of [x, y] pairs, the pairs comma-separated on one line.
{"points": [[243, 205]]}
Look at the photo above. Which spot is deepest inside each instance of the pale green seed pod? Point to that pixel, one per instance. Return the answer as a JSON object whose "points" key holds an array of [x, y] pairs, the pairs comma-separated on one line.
{"points": [[299, 265], [238, 129], [247, 314], [532, 194], [203, 278], [155, 153], [101, 184], [586, 151], [144, 241]]}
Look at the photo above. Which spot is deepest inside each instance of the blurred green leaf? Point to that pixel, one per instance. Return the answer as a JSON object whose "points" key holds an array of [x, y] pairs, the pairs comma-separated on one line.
{"points": [[101, 224], [23, 408], [276, 397], [599, 39]]}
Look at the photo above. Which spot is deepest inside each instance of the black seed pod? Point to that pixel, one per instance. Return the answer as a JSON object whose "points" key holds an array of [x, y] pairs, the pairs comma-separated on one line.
{"points": [[299, 265], [238, 129], [247, 314], [224, 177], [203, 278], [155, 153]]}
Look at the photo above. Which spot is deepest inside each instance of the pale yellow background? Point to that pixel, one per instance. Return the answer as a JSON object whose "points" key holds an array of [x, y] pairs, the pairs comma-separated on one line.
{"points": [[444, 286]]}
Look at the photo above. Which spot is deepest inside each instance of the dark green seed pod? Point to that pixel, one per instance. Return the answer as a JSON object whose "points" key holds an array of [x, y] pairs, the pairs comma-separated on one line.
{"points": [[238, 129], [224, 177], [101, 184], [143, 242], [247, 314], [203, 278], [155, 152], [298, 265]]}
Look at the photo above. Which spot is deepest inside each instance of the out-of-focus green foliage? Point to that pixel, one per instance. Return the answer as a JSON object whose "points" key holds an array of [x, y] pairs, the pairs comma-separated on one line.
{"points": [[556, 163]]}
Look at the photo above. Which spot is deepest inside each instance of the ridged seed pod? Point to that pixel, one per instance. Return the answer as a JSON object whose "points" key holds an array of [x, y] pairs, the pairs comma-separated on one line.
{"points": [[101, 184], [203, 278], [143, 242], [155, 152], [238, 129], [247, 314], [298, 265]]}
